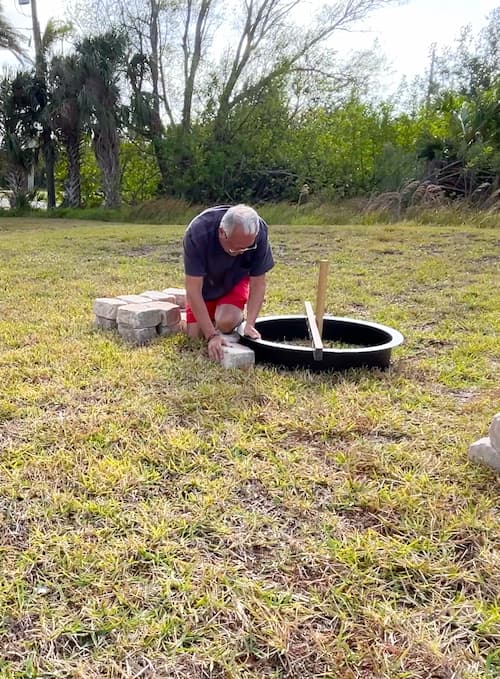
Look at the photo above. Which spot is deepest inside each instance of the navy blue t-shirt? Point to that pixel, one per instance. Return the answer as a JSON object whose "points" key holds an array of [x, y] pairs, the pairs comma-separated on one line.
{"points": [[205, 256]]}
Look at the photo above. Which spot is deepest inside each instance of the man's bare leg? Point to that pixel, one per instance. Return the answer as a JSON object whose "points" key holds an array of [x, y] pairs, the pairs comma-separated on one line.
{"points": [[227, 317]]}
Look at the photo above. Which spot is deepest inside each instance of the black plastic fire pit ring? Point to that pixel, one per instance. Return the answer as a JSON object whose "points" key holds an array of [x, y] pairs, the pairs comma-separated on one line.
{"points": [[375, 343]]}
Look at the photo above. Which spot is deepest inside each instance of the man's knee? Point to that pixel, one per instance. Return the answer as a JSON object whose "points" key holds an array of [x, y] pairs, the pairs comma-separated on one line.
{"points": [[227, 317]]}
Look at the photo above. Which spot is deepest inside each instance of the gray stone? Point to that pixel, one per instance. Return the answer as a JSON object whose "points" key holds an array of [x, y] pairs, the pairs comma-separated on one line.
{"points": [[146, 315], [170, 313], [237, 356], [104, 323], [494, 432], [482, 451], [179, 294], [167, 330], [155, 296], [107, 307], [137, 336], [232, 337], [132, 299]]}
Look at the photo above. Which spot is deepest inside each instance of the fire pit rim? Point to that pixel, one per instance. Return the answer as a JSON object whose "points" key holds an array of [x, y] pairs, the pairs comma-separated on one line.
{"points": [[396, 338]]}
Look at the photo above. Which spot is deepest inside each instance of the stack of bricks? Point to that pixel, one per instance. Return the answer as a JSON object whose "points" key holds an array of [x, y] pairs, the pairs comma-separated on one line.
{"points": [[487, 449], [141, 318]]}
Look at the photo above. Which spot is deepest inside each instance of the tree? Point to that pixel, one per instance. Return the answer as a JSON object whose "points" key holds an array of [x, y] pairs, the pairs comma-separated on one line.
{"points": [[100, 60], [187, 71], [68, 119], [9, 38], [22, 98]]}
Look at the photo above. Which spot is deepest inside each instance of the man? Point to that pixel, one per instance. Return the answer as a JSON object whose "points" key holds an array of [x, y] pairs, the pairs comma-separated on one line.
{"points": [[226, 258]]}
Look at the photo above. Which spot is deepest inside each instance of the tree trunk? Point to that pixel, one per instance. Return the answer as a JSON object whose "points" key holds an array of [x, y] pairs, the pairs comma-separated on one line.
{"points": [[72, 191], [106, 147], [49, 154]]}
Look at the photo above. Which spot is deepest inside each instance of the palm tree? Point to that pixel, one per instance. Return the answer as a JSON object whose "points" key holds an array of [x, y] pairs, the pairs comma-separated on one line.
{"points": [[67, 117], [9, 38], [100, 59], [54, 30], [21, 101]]}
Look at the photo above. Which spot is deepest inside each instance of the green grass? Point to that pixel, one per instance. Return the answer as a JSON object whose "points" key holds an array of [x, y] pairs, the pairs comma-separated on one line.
{"points": [[162, 517]]}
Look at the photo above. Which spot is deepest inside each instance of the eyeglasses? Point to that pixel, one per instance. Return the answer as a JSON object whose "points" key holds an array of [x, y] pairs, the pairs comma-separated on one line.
{"points": [[241, 250]]}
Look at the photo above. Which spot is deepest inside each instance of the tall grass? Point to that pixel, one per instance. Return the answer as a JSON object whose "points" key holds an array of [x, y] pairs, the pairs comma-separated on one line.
{"points": [[177, 211]]}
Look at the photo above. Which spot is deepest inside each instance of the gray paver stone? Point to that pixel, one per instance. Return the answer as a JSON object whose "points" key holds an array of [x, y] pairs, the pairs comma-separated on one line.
{"points": [[132, 299], [146, 315], [104, 323], [137, 336], [494, 432], [167, 330], [170, 313], [179, 294], [107, 307], [231, 337], [155, 296], [482, 451], [238, 356]]}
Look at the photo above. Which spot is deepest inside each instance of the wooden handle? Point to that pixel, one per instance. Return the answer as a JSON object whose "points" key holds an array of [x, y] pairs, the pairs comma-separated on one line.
{"points": [[321, 296]]}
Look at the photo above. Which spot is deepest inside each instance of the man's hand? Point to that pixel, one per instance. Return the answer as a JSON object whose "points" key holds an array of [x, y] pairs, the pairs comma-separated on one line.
{"points": [[250, 331], [215, 350]]}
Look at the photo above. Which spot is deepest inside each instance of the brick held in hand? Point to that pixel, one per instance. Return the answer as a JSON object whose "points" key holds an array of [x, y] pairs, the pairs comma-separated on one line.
{"points": [[238, 356]]}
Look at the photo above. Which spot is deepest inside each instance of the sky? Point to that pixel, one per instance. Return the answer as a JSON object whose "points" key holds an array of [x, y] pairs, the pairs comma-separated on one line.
{"points": [[405, 32]]}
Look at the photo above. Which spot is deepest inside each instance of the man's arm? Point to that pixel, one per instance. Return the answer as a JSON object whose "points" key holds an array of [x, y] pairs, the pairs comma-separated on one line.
{"points": [[256, 296], [194, 285]]}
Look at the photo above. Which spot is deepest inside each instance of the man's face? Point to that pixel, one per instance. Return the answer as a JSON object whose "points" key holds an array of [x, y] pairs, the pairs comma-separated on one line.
{"points": [[238, 242]]}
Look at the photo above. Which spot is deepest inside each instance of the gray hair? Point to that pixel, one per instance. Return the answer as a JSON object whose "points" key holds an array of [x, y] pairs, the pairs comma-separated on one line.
{"points": [[241, 217]]}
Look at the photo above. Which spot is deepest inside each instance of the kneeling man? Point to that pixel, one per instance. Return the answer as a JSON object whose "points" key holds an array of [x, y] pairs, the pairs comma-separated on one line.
{"points": [[226, 258]]}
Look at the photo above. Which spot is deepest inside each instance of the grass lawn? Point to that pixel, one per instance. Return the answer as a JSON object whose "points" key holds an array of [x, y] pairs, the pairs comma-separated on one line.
{"points": [[161, 517]]}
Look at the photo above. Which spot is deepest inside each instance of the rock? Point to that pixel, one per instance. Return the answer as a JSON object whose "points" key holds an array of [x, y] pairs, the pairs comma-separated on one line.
{"points": [[137, 336], [167, 330], [170, 313], [232, 337], [494, 432], [179, 294], [146, 315], [105, 323], [238, 356], [482, 451], [132, 299], [155, 296], [107, 307]]}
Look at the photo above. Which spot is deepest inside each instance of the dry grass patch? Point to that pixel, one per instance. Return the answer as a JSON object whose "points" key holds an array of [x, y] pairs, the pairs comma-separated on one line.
{"points": [[162, 517]]}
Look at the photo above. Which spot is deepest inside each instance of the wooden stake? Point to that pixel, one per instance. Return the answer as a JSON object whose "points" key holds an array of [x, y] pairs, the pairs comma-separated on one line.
{"points": [[321, 295]]}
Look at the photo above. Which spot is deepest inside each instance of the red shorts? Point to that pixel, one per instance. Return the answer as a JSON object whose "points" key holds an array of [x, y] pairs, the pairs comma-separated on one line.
{"points": [[238, 297]]}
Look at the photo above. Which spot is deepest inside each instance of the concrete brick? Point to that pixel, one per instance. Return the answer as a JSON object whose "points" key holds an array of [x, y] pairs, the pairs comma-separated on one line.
{"points": [[167, 330], [482, 451], [170, 313], [146, 315], [104, 323], [107, 307], [494, 432], [137, 336], [232, 337], [238, 356], [132, 299], [155, 296], [179, 294]]}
